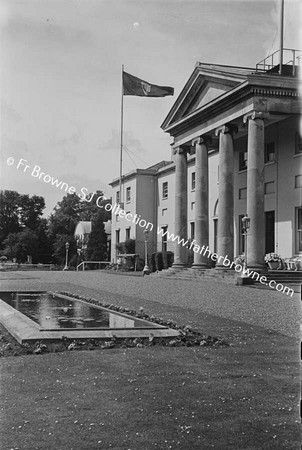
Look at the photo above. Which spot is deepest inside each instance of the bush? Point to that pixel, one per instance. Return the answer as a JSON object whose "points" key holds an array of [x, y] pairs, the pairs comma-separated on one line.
{"points": [[127, 247], [159, 261], [168, 259]]}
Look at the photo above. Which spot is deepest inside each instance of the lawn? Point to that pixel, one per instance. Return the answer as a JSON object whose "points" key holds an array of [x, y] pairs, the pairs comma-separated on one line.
{"points": [[146, 398]]}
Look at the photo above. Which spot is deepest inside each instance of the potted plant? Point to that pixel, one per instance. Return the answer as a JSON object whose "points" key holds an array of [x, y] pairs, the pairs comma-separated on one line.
{"points": [[240, 260], [273, 260]]}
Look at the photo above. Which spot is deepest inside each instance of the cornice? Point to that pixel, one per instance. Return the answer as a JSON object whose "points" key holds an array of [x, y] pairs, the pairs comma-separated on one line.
{"points": [[228, 100]]}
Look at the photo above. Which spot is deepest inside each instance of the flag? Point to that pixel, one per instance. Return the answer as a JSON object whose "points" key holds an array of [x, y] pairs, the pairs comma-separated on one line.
{"points": [[135, 86]]}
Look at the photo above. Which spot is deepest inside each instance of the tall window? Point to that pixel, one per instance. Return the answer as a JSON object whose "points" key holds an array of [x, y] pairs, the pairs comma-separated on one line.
{"points": [[241, 236], [193, 181], [128, 194], [164, 240], [298, 230], [165, 189], [128, 233], [117, 198], [298, 144], [242, 160], [117, 236], [192, 230], [269, 152]]}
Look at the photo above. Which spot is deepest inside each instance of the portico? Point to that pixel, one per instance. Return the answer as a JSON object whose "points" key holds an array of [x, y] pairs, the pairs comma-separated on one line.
{"points": [[219, 107]]}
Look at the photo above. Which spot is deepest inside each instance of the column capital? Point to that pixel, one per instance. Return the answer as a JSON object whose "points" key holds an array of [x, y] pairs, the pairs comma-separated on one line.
{"points": [[228, 128], [264, 115], [205, 139], [179, 150]]}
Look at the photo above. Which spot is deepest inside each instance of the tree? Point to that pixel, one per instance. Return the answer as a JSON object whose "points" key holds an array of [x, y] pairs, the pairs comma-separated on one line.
{"points": [[31, 210], [9, 217], [20, 245], [65, 217], [19, 211], [59, 249], [68, 213], [97, 242]]}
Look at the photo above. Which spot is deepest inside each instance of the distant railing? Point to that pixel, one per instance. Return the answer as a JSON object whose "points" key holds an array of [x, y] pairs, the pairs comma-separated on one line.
{"points": [[273, 60], [16, 266], [83, 264]]}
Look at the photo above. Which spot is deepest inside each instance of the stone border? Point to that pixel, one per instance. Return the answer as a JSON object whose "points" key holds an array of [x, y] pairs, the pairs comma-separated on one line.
{"points": [[23, 329]]}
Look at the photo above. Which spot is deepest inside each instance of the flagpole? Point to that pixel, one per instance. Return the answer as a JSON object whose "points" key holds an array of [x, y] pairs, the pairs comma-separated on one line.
{"points": [[281, 37], [122, 123]]}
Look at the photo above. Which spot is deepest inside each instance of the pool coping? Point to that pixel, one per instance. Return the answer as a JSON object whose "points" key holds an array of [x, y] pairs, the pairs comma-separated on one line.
{"points": [[23, 329]]}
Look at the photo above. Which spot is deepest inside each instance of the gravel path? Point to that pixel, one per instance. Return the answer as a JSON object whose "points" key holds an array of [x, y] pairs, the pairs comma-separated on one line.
{"points": [[268, 309]]}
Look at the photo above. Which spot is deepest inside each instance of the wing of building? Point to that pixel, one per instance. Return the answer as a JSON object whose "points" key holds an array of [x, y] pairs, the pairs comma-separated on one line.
{"points": [[237, 151]]}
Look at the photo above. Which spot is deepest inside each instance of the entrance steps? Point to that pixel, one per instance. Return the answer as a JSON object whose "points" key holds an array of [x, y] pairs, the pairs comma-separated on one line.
{"points": [[285, 276], [228, 276]]}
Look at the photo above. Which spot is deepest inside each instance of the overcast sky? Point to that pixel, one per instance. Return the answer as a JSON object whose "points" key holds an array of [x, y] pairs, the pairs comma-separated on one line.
{"points": [[61, 78]]}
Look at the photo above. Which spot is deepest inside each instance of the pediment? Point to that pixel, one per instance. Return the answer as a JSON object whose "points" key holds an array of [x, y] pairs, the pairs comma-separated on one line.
{"points": [[209, 92], [202, 88]]}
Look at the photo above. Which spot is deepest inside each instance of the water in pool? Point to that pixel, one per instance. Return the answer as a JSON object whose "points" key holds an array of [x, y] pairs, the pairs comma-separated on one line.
{"points": [[52, 312]]}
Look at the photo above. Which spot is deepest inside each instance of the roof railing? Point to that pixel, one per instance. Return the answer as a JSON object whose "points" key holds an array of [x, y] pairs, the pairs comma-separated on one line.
{"points": [[273, 60]]}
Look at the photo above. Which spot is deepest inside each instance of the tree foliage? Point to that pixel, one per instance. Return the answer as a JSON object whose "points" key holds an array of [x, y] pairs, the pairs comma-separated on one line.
{"points": [[20, 245], [24, 232]]}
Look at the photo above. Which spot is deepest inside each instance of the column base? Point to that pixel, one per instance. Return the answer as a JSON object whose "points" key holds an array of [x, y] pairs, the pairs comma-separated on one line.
{"points": [[179, 266], [224, 268], [257, 268], [200, 266]]}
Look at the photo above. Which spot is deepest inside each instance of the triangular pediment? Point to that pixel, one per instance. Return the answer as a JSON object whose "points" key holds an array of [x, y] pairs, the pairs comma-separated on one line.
{"points": [[209, 92], [204, 86]]}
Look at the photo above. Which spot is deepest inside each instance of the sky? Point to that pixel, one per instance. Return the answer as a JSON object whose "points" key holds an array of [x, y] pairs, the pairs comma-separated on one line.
{"points": [[60, 82]]}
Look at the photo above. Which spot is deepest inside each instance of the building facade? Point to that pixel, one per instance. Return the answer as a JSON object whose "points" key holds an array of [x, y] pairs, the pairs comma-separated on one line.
{"points": [[237, 151]]}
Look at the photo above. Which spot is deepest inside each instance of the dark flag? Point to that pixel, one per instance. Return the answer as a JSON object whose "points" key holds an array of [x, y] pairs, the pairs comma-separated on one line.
{"points": [[135, 86]]}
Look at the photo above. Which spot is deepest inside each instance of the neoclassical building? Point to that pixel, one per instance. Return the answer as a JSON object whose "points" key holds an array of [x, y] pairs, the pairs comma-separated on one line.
{"points": [[237, 150]]}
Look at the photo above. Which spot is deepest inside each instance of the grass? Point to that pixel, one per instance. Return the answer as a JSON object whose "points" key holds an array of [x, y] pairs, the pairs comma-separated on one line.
{"points": [[145, 398]]}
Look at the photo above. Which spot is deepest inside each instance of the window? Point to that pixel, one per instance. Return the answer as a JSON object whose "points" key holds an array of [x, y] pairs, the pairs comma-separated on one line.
{"points": [[165, 189], [164, 211], [117, 218], [241, 235], [298, 230], [242, 160], [298, 146], [269, 152], [128, 233], [117, 236], [269, 188], [242, 193], [192, 230], [269, 231], [193, 181], [192, 206], [164, 239], [128, 194], [117, 197], [298, 181]]}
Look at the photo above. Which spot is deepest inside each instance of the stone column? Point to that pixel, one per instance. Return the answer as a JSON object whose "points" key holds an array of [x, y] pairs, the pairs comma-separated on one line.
{"points": [[181, 205], [225, 235], [255, 189], [201, 200]]}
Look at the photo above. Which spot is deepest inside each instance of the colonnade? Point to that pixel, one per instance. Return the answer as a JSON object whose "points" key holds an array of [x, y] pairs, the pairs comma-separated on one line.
{"points": [[255, 194]]}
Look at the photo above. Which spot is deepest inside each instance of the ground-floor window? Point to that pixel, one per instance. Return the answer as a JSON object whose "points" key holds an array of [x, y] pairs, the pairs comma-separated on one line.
{"points": [[215, 221], [117, 236], [192, 230], [269, 231], [164, 239], [241, 235], [298, 228]]}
